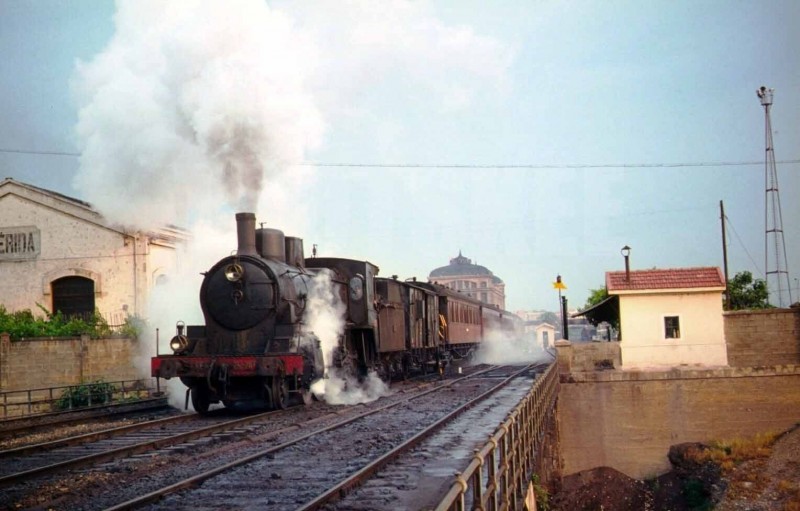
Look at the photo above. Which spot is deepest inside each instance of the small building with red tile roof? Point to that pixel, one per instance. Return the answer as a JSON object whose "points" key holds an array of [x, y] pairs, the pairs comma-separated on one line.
{"points": [[670, 317]]}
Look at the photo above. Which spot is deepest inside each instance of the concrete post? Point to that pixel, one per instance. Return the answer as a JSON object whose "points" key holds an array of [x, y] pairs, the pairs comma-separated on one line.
{"points": [[82, 355], [564, 353], [5, 351]]}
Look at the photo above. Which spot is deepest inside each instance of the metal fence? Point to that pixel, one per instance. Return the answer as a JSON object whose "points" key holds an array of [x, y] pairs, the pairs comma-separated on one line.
{"points": [[501, 472], [20, 403]]}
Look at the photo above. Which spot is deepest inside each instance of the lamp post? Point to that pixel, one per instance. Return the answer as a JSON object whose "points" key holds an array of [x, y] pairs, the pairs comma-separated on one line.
{"points": [[626, 251], [562, 305]]}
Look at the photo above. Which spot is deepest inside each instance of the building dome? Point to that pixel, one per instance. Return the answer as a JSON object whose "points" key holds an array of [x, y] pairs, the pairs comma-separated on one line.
{"points": [[462, 267]]}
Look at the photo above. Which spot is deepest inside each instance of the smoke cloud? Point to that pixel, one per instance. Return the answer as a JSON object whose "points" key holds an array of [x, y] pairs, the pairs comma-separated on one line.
{"points": [[198, 108], [192, 105]]}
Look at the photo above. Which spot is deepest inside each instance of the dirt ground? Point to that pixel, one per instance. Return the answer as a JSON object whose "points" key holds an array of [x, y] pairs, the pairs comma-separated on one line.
{"points": [[767, 482]]}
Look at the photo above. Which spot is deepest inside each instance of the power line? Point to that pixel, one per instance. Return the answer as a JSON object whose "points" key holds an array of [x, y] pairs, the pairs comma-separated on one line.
{"points": [[542, 166], [728, 223], [46, 153], [478, 166]]}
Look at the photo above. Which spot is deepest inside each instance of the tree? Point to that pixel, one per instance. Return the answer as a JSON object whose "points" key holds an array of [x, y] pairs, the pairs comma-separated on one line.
{"points": [[551, 318], [747, 292], [596, 296]]}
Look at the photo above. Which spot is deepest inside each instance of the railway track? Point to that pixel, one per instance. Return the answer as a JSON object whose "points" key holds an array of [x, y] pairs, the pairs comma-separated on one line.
{"points": [[325, 463], [35, 460], [337, 451], [27, 424]]}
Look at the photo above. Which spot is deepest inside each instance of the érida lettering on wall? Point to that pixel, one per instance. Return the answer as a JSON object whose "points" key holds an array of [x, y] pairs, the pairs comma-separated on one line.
{"points": [[19, 243]]}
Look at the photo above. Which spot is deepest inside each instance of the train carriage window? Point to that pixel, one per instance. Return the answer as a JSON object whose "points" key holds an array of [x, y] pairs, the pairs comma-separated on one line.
{"points": [[73, 296]]}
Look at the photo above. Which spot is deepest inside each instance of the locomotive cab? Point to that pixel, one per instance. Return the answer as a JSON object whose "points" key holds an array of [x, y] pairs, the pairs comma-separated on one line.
{"points": [[358, 352]]}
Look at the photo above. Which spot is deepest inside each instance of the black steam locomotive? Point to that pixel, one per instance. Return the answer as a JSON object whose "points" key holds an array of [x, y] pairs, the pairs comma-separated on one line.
{"points": [[256, 349]]}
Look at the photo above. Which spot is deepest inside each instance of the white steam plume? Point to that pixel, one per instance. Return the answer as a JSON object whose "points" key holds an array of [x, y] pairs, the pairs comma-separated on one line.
{"points": [[325, 316], [178, 299], [324, 313], [192, 104], [508, 348]]}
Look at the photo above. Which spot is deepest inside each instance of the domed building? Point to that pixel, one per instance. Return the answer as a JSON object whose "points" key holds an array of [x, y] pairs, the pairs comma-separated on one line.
{"points": [[471, 279]]}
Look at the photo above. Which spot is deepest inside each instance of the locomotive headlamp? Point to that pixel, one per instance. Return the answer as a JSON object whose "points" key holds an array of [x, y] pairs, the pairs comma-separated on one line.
{"points": [[234, 272], [179, 343]]}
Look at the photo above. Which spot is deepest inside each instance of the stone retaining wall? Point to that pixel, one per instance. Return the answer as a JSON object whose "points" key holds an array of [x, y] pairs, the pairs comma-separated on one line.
{"points": [[628, 419], [56, 361], [763, 338]]}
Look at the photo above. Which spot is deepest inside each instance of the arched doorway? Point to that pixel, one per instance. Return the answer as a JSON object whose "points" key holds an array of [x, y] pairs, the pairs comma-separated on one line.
{"points": [[73, 296]]}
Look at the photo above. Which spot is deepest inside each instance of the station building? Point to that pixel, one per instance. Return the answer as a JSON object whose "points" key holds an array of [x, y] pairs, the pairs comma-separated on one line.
{"points": [[59, 253], [471, 279]]}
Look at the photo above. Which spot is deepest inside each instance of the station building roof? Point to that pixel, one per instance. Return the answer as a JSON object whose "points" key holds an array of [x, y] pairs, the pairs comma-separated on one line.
{"points": [[696, 279]]}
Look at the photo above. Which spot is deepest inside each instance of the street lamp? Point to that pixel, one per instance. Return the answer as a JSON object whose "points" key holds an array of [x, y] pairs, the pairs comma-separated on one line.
{"points": [[562, 305], [626, 251]]}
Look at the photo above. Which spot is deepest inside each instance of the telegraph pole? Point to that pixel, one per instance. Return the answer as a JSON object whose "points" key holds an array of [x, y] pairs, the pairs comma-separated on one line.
{"points": [[725, 257]]}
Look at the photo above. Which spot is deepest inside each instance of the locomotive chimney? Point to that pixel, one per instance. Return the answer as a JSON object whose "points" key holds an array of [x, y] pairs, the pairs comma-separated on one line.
{"points": [[246, 233]]}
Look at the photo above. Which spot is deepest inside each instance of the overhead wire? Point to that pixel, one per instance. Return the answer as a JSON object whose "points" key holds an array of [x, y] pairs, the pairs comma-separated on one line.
{"points": [[728, 223], [478, 166]]}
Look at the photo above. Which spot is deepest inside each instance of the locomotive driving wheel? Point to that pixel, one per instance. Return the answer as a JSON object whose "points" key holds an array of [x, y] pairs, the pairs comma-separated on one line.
{"points": [[200, 400], [280, 393]]}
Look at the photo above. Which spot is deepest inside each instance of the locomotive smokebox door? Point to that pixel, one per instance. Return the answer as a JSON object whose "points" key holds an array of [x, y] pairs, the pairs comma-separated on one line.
{"points": [[242, 303]]}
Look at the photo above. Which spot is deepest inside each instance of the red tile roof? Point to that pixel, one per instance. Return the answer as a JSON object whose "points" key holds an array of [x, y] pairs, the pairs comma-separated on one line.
{"points": [[675, 278]]}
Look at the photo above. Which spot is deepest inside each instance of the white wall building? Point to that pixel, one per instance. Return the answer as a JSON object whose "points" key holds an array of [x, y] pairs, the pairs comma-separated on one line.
{"points": [[58, 252], [545, 336], [670, 317]]}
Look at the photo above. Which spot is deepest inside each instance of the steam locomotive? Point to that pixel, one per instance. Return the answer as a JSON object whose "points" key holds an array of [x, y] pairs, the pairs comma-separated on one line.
{"points": [[256, 348]]}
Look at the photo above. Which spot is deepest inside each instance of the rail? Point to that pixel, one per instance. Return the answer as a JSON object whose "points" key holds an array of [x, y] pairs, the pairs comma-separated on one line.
{"points": [[28, 402], [499, 475]]}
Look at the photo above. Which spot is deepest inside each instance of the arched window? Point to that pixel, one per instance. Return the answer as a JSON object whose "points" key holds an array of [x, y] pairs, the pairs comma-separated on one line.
{"points": [[73, 296]]}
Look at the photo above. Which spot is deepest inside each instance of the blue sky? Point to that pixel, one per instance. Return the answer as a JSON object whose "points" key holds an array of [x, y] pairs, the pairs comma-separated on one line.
{"points": [[504, 120]]}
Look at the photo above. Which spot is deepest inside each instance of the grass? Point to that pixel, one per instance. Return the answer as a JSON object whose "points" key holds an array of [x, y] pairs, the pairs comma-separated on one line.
{"points": [[727, 454], [742, 462]]}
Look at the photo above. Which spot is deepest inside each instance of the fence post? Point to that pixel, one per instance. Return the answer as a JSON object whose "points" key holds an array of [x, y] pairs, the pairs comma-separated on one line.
{"points": [[5, 350], [564, 351], [84, 350]]}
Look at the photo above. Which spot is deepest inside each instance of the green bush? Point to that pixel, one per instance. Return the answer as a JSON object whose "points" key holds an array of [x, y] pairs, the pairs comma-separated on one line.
{"points": [[24, 324], [134, 325], [98, 392]]}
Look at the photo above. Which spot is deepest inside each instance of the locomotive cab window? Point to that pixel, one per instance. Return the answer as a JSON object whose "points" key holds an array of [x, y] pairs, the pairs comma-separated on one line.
{"points": [[672, 327], [73, 296]]}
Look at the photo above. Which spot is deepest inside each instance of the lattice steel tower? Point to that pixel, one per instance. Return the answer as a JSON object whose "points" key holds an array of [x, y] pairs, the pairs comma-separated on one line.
{"points": [[774, 246]]}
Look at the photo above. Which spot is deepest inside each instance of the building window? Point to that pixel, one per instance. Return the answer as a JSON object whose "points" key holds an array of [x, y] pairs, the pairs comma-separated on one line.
{"points": [[672, 327], [73, 296]]}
